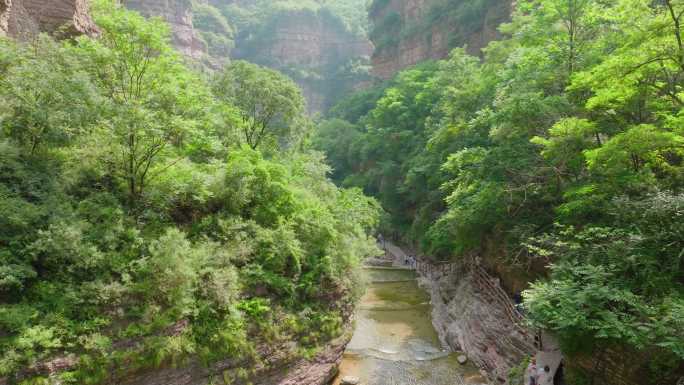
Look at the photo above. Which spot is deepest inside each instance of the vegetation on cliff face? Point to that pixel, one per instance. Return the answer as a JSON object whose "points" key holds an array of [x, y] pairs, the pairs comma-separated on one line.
{"points": [[140, 228], [322, 45], [563, 148], [214, 29], [351, 13], [458, 19]]}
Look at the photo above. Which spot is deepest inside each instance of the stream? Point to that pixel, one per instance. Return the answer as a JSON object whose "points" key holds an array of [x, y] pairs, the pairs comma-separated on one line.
{"points": [[394, 342]]}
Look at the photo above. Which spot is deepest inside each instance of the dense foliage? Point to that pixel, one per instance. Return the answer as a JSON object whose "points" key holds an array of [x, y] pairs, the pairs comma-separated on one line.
{"points": [[140, 228], [218, 34], [564, 148], [351, 13]]}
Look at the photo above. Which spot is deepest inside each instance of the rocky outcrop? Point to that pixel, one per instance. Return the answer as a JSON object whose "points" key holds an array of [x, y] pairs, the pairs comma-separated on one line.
{"points": [[407, 32], [178, 13], [275, 367], [4, 16], [24, 19], [278, 364], [472, 314]]}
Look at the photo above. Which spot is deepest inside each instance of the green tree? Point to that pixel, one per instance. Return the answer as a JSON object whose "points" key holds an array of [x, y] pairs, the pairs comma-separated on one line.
{"points": [[338, 138], [608, 284], [47, 100], [151, 105], [214, 29], [271, 105]]}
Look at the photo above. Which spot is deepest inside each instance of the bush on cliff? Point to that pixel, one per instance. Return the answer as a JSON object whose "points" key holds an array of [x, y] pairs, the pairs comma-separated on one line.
{"points": [[138, 230]]}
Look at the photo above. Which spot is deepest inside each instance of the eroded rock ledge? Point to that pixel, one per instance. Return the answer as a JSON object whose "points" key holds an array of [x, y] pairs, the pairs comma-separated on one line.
{"points": [[24, 19], [278, 365]]}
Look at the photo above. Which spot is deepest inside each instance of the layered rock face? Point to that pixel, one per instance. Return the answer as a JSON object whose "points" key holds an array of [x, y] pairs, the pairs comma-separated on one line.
{"points": [[311, 48], [471, 314], [23, 19], [302, 38], [308, 46], [178, 13], [407, 32]]}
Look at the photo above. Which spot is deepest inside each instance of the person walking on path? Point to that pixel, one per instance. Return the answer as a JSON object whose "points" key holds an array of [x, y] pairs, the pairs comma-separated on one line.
{"points": [[531, 373]]}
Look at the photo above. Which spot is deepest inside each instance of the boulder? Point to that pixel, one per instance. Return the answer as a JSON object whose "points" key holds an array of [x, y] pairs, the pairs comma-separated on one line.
{"points": [[462, 359], [350, 380]]}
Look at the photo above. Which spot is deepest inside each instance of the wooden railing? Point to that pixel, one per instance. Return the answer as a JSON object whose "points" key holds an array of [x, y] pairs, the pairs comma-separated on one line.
{"points": [[487, 284]]}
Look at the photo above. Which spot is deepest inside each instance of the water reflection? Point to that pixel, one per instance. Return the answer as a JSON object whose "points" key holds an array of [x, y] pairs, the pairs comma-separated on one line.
{"points": [[394, 342]]}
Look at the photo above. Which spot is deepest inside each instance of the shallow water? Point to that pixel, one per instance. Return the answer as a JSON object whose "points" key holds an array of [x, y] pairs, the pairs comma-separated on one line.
{"points": [[394, 342]]}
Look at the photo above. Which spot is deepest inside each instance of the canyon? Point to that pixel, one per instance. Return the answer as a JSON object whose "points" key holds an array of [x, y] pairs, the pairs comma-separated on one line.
{"points": [[314, 49], [407, 32], [320, 54]]}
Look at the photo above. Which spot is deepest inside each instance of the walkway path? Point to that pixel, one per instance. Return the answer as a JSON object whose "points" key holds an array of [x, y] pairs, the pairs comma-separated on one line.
{"points": [[546, 353]]}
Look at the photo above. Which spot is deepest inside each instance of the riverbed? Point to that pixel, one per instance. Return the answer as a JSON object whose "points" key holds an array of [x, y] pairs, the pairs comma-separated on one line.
{"points": [[394, 342]]}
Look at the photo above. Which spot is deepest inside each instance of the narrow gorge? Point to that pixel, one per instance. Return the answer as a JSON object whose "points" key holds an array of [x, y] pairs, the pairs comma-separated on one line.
{"points": [[341, 192]]}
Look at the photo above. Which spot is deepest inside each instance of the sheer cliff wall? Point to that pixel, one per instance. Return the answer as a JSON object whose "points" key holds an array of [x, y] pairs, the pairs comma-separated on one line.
{"points": [[314, 49], [178, 13], [407, 32]]}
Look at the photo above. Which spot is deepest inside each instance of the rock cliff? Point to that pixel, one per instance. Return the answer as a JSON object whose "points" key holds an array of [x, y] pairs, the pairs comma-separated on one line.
{"points": [[178, 13], [407, 32], [23, 19], [312, 47]]}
